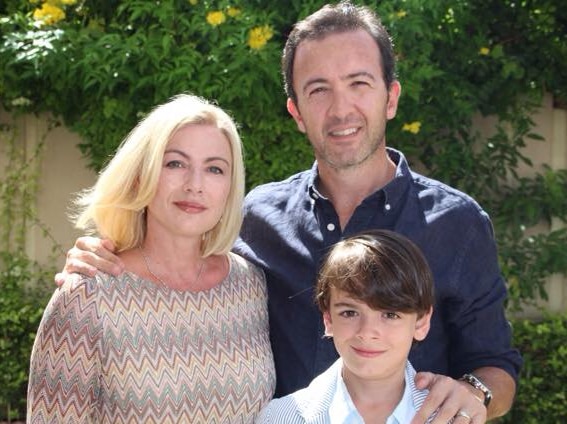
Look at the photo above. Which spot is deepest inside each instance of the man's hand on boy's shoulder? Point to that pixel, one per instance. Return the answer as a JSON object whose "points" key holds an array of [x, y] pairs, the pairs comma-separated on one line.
{"points": [[450, 400]]}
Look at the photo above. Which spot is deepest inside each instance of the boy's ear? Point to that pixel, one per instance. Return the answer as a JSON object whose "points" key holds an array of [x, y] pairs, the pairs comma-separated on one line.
{"points": [[422, 326], [328, 324]]}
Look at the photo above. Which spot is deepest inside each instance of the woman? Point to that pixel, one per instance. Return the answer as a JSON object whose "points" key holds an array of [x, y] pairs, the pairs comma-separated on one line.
{"points": [[182, 335]]}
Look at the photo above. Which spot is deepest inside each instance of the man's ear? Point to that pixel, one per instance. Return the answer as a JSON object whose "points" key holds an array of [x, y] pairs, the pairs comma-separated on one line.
{"points": [[393, 97], [328, 324], [294, 112], [422, 326]]}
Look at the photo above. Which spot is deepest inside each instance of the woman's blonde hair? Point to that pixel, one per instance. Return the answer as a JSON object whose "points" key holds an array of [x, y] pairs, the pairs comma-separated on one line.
{"points": [[114, 207]]}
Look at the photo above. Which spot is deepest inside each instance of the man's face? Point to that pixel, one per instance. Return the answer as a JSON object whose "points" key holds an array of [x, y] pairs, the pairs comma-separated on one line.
{"points": [[342, 101]]}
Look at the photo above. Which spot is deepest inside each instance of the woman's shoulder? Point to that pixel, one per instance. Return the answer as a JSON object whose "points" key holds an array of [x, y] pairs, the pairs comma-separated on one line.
{"points": [[241, 264], [101, 284]]}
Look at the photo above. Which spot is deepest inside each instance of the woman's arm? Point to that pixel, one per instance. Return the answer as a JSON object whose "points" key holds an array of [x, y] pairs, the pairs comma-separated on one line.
{"points": [[64, 370]]}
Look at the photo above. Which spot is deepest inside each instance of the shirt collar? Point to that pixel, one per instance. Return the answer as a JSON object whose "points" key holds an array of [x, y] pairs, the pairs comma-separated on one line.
{"points": [[342, 409], [394, 191]]}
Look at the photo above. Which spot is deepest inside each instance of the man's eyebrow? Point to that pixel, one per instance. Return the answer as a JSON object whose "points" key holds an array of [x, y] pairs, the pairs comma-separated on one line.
{"points": [[350, 76], [359, 74]]}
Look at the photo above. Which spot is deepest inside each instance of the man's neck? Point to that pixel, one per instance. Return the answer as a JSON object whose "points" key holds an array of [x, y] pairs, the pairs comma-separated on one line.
{"points": [[347, 188]]}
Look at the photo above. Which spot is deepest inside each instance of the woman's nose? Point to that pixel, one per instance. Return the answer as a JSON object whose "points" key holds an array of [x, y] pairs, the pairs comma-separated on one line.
{"points": [[193, 182]]}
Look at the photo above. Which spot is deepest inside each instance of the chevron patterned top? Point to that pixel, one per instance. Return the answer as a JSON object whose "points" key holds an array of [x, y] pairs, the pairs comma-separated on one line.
{"points": [[124, 350]]}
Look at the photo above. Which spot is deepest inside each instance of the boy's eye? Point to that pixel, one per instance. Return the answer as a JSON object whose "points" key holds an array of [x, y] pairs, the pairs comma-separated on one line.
{"points": [[348, 314], [391, 315]]}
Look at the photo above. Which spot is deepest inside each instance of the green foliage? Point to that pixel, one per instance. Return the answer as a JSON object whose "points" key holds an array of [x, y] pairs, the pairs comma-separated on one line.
{"points": [[21, 310], [541, 395], [112, 67], [106, 64]]}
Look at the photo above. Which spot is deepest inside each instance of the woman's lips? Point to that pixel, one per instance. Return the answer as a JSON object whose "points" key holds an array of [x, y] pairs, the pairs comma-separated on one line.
{"points": [[191, 207]]}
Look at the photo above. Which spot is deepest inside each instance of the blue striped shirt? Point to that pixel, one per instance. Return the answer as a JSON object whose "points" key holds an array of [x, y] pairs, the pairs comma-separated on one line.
{"points": [[327, 401]]}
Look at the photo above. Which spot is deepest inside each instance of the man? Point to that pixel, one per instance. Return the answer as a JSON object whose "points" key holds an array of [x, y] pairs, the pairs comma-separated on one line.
{"points": [[339, 74]]}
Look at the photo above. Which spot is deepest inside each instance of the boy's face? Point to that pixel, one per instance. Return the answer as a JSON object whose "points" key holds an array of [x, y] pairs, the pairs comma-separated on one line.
{"points": [[374, 344]]}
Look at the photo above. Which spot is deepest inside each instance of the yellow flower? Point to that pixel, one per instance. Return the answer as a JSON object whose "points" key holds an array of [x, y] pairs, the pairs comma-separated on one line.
{"points": [[48, 14], [193, 2], [401, 14], [484, 51], [259, 36], [412, 127], [68, 2], [233, 11], [216, 18]]}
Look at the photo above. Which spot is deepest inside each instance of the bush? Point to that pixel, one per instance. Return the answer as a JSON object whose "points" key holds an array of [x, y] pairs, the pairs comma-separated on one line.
{"points": [[541, 396], [20, 313]]}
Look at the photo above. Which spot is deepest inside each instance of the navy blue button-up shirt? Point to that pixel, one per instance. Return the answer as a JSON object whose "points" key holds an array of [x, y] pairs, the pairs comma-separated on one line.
{"points": [[289, 226]]}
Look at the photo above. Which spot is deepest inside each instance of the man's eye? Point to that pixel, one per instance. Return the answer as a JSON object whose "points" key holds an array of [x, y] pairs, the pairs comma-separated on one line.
{"points": [[318, 90], [360, 83]]}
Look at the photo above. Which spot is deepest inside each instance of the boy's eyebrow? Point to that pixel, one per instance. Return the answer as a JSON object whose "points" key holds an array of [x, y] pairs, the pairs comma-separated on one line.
{"points": [[344, 304]]}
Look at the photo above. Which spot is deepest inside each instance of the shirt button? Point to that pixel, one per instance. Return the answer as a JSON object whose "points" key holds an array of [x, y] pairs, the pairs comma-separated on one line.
{"points": [[331, 227], [387, 206]]}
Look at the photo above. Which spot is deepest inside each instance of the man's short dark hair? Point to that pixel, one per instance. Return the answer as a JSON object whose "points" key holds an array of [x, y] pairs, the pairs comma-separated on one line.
{"points": [[335, 19]]}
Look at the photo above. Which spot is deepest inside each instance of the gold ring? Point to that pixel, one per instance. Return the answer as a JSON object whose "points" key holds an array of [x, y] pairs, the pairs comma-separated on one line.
{"points": [[463, 414]]}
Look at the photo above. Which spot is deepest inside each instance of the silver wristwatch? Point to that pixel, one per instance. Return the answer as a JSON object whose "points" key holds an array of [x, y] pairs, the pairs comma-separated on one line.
{"points": [[478, 384]]}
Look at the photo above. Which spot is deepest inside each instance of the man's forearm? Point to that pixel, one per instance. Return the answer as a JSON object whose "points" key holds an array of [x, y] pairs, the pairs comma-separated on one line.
{"points": [[503, 389]]}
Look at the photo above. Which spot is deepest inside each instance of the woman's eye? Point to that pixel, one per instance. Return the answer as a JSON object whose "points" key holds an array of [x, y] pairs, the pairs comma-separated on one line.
{"points": [[174, 164], [216, 170]]}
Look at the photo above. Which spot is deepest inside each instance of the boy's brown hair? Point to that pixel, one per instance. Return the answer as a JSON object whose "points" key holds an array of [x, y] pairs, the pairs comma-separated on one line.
{"points": [[381, 268]]}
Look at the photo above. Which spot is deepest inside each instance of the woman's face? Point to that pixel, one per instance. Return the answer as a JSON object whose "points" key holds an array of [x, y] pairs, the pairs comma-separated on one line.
{"points": [[194, 183]]}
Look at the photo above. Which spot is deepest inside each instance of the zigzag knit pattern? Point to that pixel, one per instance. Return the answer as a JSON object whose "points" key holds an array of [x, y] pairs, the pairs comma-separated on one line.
{"points": [[123, 350]]}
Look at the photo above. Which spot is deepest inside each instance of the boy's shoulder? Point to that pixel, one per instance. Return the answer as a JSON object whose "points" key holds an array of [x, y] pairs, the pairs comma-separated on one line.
{"points": [[307, 405]]}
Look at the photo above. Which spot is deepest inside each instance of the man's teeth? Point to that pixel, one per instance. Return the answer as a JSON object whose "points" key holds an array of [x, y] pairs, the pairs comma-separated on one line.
{"points": [[348, 131]]}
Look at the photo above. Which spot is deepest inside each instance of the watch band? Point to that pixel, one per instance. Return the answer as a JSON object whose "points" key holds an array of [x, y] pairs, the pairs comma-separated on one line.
{"points": [[478, 384]]}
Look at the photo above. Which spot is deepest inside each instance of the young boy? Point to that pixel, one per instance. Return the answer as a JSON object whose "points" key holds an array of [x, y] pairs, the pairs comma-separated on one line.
{"points": [[375, 291]]}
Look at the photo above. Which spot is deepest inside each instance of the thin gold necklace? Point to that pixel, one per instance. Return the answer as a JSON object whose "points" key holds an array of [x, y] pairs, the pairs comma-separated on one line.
{"points": [[147, 262]]}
